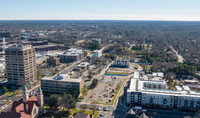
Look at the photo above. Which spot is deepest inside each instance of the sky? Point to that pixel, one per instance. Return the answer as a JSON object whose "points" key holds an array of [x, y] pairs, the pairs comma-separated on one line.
{"points": [[172, 10]]}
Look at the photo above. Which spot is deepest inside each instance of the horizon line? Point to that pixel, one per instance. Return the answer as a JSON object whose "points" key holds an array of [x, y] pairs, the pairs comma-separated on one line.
{"points": [[96, 20]]}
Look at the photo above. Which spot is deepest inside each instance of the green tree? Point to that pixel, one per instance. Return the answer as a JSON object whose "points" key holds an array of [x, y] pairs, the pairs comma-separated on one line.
{"points": [[85, 90], [90, 75], [4, 89], [94, 46], [67, 101], [53, 101], [39, 73], [112, 56], [66, 45], [73, 92], [94, 83]]}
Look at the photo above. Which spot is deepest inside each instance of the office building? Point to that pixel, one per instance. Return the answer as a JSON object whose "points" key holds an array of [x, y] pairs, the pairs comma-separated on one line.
{"points": [[61, 84], [71, 55], [21, 65], [153, 93]]}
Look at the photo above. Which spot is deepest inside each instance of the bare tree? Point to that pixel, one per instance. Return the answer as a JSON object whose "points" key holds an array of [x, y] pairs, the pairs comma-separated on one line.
{"points": [[83, 107]]}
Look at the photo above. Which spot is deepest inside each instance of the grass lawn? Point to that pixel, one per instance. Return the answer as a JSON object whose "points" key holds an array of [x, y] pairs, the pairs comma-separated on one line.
{"points": [[100, 99], [113, 73], [46, 107], [10, 93], [96, 113]]}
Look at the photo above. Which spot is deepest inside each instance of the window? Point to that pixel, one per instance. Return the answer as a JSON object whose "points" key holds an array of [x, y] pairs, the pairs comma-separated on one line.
{"points": [[34, 112]]}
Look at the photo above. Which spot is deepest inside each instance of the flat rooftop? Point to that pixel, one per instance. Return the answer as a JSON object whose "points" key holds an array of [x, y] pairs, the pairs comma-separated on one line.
{"points": [[63, 78], [19, 47], [136, 85]]}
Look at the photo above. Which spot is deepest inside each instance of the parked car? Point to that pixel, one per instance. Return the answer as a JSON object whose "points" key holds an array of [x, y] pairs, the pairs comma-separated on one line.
{"points": [[111, 96]]}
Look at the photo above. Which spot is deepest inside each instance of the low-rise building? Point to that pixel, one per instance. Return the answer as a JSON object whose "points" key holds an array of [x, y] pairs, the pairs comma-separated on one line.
{"points": [[158, 96], [61, 84], [121, 63], [96, 40], [53, 61], [50, 46], [191, 82], [71, 55], [83, 65], [97, 53]]}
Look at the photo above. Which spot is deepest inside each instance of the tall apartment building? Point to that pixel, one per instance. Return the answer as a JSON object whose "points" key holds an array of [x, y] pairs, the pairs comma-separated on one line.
{"points": [[21, 65]]}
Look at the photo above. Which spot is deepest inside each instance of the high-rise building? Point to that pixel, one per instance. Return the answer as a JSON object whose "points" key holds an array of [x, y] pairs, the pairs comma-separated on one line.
{"points": [[21, 65]]}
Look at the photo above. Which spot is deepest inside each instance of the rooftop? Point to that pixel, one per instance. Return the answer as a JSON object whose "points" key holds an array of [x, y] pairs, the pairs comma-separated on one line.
{"points": [[62, 77], [136, 84], [19, 47]]}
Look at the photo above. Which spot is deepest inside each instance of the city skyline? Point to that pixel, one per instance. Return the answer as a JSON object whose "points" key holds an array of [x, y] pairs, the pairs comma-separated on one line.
{"points": [[169, 10]]}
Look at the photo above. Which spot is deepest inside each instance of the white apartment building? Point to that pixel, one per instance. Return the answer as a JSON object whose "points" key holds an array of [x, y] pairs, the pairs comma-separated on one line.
{"points": [[21, 65], [61, 84], [121, 63], [142, 93], [97, 53]]}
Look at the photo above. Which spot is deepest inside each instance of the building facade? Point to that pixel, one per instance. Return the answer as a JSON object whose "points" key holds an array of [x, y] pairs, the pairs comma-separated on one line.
{"points": [[53, 61], [71, 55], [97, 53], [21, 65], [61, 84], [121, 63], [159, 97]]}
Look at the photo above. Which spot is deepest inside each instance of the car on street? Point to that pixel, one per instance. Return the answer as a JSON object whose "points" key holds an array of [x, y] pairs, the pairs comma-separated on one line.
{"points": [[111, 96], [98, 108], [105, 109], [101, 115]]}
